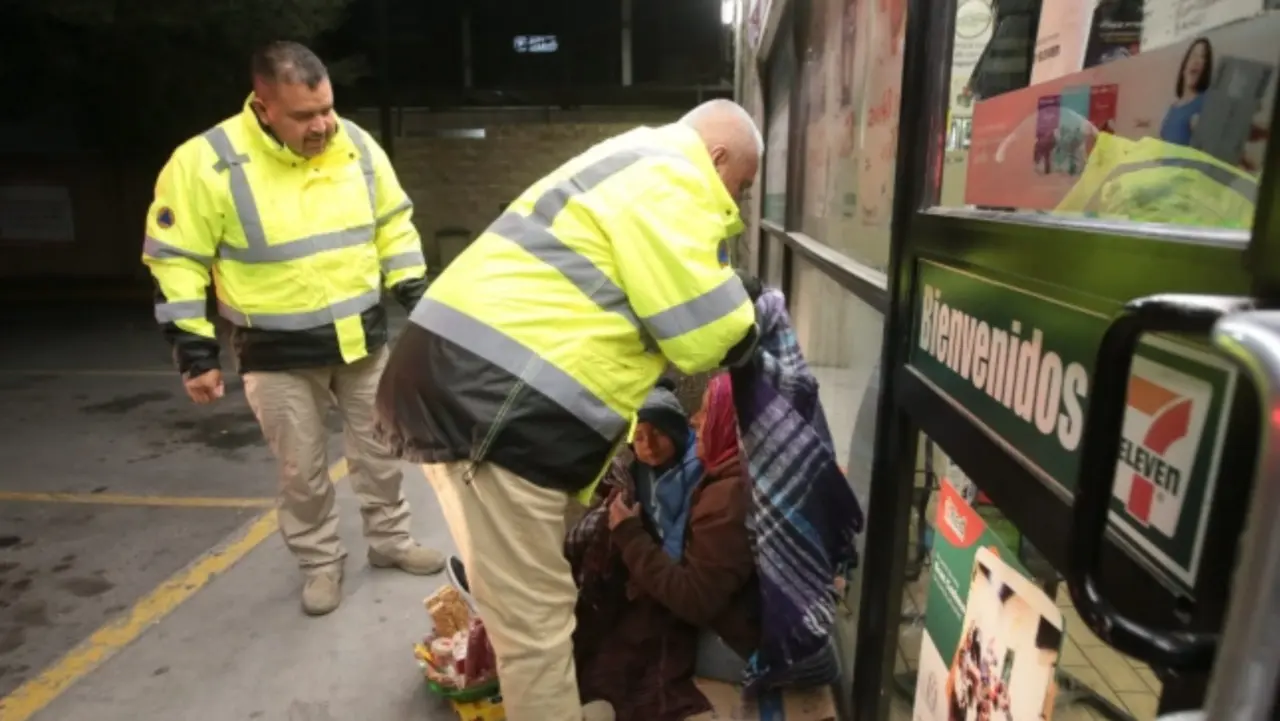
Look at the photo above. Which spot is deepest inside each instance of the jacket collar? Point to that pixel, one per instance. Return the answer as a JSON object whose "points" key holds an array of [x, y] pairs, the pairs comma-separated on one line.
{"points": [[690, 143], [265, 141]]}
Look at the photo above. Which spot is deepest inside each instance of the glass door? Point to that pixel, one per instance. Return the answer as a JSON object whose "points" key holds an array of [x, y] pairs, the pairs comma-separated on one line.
{"points": [[1083, 189]]}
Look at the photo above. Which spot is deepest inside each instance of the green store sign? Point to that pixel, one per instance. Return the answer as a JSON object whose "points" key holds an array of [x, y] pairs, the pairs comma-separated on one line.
{"points": [[1022, 364]]}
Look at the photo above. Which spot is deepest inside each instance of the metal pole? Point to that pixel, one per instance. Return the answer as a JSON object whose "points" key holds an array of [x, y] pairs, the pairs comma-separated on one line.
{"points": [[466, 49], [626, 43], [384, 75], [736, 36]]}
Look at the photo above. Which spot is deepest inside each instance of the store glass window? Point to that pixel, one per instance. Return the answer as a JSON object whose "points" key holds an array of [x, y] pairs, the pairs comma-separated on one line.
{"points": [[778, 129], [989, 624], [777, 132], [747, 248], [841, 338], [850, 92], [1121, 110]]}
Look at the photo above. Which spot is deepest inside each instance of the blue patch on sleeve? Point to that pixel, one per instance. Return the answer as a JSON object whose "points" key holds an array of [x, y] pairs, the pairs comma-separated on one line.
{"points": [[164, 217]]}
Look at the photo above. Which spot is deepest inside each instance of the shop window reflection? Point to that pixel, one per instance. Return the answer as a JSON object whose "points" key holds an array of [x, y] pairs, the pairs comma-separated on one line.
{"points": [[778, 130], [850, 91], [1101, 110]]}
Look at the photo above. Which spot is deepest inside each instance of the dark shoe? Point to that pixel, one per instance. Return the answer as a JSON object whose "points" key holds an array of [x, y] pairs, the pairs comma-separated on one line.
{"points": [[457, 574]]}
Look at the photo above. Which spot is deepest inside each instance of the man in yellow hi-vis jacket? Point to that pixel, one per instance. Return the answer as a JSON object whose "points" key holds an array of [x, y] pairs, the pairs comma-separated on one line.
{"points": [[523, 367], [296, 220]]}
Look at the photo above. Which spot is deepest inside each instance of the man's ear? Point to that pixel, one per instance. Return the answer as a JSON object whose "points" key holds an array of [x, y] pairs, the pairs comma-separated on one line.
{"points": [[719, 155]]}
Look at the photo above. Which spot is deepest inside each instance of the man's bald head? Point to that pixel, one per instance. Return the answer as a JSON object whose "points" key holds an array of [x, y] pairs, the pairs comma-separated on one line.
{"points": [[732, 139]]}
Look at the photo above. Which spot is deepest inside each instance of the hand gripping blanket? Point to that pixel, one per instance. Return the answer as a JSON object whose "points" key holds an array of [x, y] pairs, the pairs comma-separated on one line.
{"points": [[804, 516]]}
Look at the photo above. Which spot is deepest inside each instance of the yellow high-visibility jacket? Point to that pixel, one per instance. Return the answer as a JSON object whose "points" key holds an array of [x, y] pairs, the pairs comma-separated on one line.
{"points": [[535, 348], [298, 250], [1154, 181]]}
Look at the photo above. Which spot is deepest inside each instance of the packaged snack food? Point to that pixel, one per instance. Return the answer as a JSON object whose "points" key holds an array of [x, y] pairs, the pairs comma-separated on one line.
{"points": [[480, 664], [460, 650], [449, 611], [442, 652]]}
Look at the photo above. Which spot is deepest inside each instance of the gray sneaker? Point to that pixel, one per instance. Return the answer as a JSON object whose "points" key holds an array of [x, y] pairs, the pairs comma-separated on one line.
{"points": [[322, 592]]}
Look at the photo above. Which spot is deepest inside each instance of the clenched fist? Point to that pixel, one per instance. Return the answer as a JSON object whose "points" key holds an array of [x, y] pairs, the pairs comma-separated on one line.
{"points": [[204, 388]]}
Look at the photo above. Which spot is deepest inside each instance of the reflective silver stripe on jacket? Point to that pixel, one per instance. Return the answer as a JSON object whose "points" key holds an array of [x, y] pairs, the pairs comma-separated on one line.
{"points": [[399, 261], [258, 250], [698, 312], [386, 217], [366, 164], [523, 363], [1247, 188], [303, 320], [176, 310], [533, 233], [160, 250]]}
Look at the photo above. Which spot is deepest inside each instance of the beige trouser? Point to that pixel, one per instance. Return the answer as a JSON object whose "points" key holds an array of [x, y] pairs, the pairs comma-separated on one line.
{"points": [[291, 407], [510, 533]]}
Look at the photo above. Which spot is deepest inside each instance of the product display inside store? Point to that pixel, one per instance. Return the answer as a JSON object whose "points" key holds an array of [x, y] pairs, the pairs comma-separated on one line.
{"points": [[1154, 112]]}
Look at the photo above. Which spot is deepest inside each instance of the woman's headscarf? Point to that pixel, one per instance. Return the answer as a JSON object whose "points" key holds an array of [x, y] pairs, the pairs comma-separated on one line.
{"points": [[719, 433]]}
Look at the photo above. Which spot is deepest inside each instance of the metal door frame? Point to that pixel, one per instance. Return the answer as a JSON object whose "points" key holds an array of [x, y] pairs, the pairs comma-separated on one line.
{"points": [[1060, 254]]}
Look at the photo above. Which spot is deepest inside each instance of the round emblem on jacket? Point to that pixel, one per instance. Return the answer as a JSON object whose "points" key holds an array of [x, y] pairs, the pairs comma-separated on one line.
{"points": [[164, 217]]}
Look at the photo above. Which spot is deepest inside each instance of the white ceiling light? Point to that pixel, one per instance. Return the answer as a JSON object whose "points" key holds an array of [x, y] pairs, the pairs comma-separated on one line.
{"points": [[728, 11]]}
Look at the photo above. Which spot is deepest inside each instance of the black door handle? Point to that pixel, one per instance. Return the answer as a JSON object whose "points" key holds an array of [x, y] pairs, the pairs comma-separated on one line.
{"points": [[1099, 455]]}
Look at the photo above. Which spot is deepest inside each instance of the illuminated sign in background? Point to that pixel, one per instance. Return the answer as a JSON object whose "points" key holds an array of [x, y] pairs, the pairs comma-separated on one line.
{"points": [[535, 43]]}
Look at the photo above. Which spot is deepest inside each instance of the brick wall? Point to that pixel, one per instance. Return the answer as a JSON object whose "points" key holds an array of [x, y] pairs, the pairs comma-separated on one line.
{"points": [[461, 182], [455, 182]]}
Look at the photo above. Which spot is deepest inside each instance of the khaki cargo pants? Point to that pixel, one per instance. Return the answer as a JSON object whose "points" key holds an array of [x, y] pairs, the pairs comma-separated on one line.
{"points": [[291, 407], [510, 534]]}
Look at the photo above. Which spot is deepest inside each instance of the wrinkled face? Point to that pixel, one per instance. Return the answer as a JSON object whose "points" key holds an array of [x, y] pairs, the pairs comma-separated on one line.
{"points": [[301, 117], [737, 172], [652, 446]]}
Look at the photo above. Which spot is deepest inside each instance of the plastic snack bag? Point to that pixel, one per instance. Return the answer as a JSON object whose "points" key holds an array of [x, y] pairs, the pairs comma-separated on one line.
{"points": [[480, 665]]}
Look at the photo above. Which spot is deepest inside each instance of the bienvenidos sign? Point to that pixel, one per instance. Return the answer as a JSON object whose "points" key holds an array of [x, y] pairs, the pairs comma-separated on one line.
{"points": [[1021, 363]]}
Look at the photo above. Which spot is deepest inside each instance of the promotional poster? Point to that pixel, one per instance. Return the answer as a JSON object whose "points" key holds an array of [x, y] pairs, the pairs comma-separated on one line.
{"points": [[1206, 97], [993, 639]]}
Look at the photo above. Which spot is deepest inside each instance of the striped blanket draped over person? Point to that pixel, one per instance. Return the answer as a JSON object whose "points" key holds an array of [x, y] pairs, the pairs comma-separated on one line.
{"points": [[804, 517]]}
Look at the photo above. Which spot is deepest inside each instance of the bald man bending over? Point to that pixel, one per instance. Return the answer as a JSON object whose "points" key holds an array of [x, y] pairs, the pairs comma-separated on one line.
{"points": [[523, 366]]}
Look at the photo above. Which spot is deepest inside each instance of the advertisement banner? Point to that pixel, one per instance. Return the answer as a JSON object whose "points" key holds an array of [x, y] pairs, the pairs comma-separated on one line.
{"points": [[1022, 364], [1212, 93], [992, 638], [1168, 21]]}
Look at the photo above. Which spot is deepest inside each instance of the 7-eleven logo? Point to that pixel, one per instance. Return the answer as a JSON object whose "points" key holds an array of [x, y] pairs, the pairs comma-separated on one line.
{"points": [[1162, 430]]}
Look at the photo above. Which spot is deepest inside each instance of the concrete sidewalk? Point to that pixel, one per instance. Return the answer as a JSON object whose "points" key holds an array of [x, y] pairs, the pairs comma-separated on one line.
{"points": [[242, 649]]}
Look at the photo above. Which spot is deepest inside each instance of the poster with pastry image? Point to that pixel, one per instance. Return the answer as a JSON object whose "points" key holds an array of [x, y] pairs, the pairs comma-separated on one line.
{"points": [[993, 639]]}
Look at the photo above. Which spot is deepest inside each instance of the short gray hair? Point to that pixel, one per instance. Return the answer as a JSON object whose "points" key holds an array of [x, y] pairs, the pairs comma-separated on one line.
{"points": [[288, 62], [727, 107]]}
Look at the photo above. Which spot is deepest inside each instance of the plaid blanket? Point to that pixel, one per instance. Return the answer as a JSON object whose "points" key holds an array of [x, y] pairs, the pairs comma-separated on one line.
{"points": [[805, 516]]}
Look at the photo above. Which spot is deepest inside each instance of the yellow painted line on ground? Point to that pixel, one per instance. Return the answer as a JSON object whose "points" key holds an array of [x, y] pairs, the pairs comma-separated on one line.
{"points": [[34, 695], [109, 499]]}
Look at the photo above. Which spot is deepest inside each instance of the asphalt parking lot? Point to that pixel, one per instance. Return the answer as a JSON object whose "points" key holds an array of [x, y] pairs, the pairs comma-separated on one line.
{"points": [[140, 572]]}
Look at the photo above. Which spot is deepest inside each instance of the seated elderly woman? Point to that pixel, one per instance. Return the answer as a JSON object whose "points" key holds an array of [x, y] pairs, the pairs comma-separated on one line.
{"points": [[665, 565]]}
